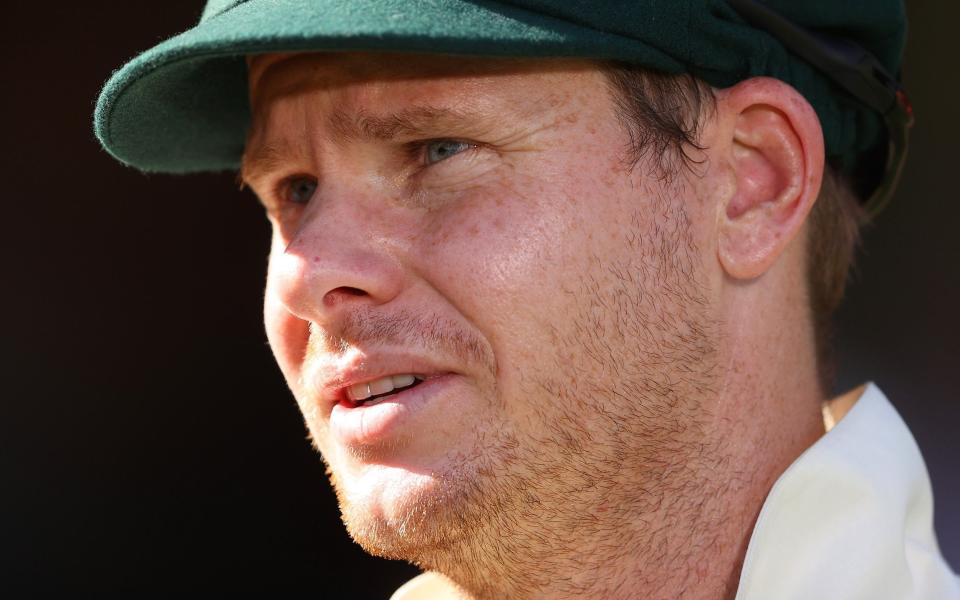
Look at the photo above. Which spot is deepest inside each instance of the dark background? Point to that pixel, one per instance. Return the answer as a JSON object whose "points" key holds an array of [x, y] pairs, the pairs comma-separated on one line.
{"points": [[147, 441]]}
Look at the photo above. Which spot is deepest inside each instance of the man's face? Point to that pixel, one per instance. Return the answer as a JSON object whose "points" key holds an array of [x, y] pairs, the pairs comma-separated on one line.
{"points": [[468, 232]]}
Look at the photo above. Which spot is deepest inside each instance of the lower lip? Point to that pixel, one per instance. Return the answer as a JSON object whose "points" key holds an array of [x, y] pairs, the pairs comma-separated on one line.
{"points": [[375, 423]]}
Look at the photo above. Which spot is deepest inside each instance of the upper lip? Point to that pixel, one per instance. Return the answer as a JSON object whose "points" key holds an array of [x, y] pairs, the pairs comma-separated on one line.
{"points": [[334, 381]]}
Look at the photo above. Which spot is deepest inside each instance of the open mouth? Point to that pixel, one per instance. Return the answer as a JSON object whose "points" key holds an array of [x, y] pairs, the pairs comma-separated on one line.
{"points": [[371, 392]]}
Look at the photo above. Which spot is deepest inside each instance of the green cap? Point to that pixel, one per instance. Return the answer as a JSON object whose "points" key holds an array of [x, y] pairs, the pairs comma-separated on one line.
{"points": [[182, 106]]}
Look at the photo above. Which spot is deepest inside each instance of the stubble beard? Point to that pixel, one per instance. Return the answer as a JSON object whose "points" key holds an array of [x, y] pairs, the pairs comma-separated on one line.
{"points": [[591, 507]]}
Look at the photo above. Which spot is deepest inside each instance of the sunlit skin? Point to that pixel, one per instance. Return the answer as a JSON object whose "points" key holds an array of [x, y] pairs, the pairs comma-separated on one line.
{"points": [[616, 365]]}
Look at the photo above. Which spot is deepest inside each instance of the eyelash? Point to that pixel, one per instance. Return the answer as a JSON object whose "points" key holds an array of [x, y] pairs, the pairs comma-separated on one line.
{"points": [[416, 153], [417, 150], [282, 190], [417, 156]]}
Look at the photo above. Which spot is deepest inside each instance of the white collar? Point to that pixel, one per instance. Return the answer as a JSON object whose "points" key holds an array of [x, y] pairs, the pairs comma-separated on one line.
{"points": [[852, 517]]}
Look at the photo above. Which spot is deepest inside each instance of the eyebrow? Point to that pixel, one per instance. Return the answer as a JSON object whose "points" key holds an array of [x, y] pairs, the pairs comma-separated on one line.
{"points": [[262, 159], [410, 122], [344, 126]]}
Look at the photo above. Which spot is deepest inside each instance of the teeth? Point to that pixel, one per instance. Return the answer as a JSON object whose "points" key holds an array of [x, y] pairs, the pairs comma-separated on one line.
{"points": [[403, 380], [362, 391]]}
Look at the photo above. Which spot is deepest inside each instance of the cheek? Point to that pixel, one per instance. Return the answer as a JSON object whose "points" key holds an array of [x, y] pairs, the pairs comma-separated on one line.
{"points": [[515, 244], [512, 259], [499, 244], [287, 334]]}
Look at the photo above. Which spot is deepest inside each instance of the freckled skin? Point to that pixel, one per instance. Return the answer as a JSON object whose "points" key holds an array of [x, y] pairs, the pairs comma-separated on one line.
{"points": [[580, 451]]}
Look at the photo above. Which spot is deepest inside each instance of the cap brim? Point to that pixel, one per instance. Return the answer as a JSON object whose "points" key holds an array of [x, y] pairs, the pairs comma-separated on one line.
{"points": [[182, 106]]}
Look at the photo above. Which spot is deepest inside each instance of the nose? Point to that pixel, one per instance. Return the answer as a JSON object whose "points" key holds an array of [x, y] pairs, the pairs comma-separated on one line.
{"points": [[340, 259]]}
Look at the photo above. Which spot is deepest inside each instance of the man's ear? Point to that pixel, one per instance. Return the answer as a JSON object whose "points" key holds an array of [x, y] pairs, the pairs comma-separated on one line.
{"points": [[772, 142]]}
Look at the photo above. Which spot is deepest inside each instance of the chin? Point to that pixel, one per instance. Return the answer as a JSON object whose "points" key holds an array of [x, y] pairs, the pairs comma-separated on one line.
{"points": [[400, 514], [427, 511]]}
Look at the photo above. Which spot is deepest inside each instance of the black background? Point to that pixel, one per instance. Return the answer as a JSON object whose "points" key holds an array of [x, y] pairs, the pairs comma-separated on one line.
{"points": [[147, 441]]}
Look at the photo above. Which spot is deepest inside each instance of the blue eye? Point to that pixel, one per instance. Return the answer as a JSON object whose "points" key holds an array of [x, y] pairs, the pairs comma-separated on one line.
{"points": [[443, 149], [300, 189]]}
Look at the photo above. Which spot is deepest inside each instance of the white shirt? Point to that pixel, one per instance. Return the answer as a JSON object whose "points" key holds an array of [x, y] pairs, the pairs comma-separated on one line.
{"points": [[850, 519]]}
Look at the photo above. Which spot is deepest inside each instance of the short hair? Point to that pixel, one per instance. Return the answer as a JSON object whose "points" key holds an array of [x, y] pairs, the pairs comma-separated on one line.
{"points": [[663, 115]]}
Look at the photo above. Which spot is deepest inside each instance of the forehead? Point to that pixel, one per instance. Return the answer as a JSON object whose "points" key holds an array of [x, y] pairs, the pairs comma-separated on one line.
{"points": [[364, 81], [270, 74]]}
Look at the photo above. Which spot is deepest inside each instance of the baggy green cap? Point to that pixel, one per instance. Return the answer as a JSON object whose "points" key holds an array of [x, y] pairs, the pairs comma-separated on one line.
{"points": [[182, 106]]}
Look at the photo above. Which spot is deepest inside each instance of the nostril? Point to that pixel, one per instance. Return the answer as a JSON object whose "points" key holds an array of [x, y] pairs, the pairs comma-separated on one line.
{"points": [[342, 293]]}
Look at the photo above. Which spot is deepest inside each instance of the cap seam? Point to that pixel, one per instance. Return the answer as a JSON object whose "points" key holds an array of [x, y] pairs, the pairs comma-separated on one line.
{"points": [[225, 9]]}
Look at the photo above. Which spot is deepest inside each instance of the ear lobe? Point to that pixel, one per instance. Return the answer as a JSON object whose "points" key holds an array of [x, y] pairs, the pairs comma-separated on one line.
{"points": [[775, 152]]}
